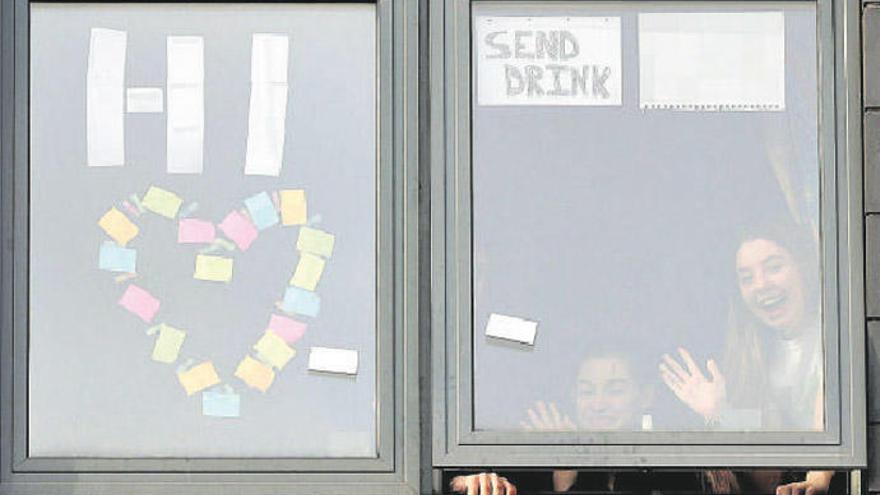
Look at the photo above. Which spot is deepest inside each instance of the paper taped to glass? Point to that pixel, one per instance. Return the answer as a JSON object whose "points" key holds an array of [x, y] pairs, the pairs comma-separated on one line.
{"points": [[512, 328], [105, 89], [186, 104], [731, 61], [548, 60]]}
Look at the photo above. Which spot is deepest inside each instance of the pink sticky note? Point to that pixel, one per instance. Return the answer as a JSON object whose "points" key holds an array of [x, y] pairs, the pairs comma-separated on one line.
{"points": [[139, 302], [288, 329], [238, 228], [193, 230]]}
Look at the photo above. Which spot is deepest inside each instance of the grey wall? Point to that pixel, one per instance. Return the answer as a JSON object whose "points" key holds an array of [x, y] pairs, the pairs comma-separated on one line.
{"points": [[871, 92]]}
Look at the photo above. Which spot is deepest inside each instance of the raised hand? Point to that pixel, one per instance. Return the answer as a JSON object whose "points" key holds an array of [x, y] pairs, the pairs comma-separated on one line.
{"points": [[546, 417], [703, 395]]}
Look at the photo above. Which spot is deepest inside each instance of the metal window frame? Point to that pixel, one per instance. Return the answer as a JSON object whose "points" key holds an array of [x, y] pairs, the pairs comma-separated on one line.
{"points": [[397, 468], [456, 444]]}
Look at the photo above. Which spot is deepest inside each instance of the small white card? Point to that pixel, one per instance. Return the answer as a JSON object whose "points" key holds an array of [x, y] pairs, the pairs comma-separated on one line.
{"points": [[331, 360], [512, 328], [144, 100]]}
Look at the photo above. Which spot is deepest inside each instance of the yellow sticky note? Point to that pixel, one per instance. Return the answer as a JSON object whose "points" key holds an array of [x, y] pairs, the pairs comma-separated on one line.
{"points": [[315, 241], [274, 349], [293, 206], [213, 268], [198, 377], [162, 202], [168, 344], [255, 373], [308, 271], [118, 226]]}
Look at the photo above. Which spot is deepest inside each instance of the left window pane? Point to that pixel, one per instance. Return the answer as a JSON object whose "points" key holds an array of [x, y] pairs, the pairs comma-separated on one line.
{"points": [[202, 230]]}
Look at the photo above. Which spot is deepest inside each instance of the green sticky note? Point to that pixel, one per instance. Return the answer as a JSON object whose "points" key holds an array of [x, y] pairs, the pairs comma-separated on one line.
{"points": [[168, 344], [162, 202], [274, 350], [213, 268], [315, 241]]}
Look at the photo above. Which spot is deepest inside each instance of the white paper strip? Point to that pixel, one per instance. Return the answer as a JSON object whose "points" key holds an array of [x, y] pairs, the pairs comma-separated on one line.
{"points": [[333, 360], [268, 104], [548, 60], [143, 100], [105, 87], [186, 104], [712, 61], [512, 328]]}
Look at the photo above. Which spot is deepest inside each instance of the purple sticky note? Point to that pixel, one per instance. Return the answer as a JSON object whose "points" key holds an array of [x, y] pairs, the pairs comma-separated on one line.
{"points": [[238, 228], [139, 302], [195, 231], [287, 328]]}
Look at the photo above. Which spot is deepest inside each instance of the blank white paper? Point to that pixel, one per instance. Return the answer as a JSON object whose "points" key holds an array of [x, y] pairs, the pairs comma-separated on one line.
{"points": [[105, 86], [268, 104], [712, 61], [331, 360], [143, 100], [512, 328], [186, 104]]}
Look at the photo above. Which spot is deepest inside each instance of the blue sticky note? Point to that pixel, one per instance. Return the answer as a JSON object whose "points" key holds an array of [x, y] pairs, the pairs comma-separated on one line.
{"points": [[115, 258], [262, 210], [221, 404], [301, 301]]}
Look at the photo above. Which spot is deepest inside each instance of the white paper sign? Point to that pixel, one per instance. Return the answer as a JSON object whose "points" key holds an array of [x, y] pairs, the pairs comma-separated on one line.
{"points": [[512, 328], [548, 60], [186, 104], [105, 90], [143, 100], [331, 360], [712, 61], [268, 105]]}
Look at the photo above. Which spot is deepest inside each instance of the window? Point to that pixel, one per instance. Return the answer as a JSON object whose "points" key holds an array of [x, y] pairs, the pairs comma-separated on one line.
{"points": [[179, 320], [644, 251]]}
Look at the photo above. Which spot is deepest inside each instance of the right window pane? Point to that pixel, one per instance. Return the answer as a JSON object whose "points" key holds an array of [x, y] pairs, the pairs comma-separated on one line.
{"points": [[646, 218]]}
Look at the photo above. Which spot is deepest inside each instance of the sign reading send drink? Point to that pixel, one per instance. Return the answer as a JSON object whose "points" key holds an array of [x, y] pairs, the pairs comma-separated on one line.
{"points": [[548, 60]]}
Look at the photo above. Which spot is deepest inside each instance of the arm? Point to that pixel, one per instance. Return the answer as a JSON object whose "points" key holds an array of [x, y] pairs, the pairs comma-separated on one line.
{"points": [[817, 483]]}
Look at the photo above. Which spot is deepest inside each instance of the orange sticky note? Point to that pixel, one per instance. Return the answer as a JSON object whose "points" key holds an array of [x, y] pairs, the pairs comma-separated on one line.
{"points": [[198, 377], [255, 373], [293, 207], [118, 226]]}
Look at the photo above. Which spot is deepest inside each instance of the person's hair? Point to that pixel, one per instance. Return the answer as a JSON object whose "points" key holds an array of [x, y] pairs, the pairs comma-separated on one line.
{"points": [[744, 362]]}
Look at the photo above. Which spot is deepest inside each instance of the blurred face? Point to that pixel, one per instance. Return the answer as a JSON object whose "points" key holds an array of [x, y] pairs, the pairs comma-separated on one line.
{"points": [[607, 394], [771, 284]]}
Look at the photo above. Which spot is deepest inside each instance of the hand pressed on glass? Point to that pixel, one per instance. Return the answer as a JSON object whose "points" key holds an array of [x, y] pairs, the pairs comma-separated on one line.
{"points": [[703, 394]]}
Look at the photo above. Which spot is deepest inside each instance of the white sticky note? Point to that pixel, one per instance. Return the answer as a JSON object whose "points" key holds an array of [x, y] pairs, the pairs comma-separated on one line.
{"points": [[331, 360], [548, 60], [719, 61], [105, 97], [267, 112], [143, 100], [186, 105], [512, 328]]}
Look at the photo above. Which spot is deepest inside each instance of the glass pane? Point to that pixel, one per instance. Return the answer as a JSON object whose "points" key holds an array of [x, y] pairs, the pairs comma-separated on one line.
{"points": [[646, 217], [239, 188]]}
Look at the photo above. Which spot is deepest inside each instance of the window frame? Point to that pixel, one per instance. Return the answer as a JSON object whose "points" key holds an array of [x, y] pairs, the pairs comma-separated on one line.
{"points": [[457, 445], [397, 467]]}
